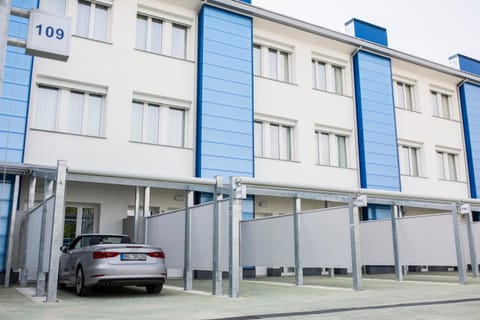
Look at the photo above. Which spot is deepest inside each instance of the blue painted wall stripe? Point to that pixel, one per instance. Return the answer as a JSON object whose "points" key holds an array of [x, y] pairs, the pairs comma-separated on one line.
{"points": [[225, 95], [377, 134]]}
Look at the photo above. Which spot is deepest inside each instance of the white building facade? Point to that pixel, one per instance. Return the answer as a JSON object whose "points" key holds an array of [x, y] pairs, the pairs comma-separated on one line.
{"points": [[181, 89]]}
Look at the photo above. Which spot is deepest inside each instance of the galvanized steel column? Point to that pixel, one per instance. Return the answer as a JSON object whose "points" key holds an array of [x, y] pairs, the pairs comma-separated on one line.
{"points": [[136, 214], [355, 245], [146, 212], [297, 207], [216, 268], [187, 264], [11, 230], [57, 230], [458, 245], [30, 203], [41, 273], [235, 212], [396, 250]]}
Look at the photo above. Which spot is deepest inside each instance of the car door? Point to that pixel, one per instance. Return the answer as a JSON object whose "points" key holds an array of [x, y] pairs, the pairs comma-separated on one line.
{"points": [[67, 261]]}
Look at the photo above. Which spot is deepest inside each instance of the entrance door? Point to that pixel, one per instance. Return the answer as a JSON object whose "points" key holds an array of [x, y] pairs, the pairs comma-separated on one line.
{"points": [[79, 219]]}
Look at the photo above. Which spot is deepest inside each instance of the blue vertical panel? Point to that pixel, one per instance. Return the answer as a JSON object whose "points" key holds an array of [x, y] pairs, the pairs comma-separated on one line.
{"points": [[470, 103], [14, 97], [225, 95], [367, 31], [377, 133], [468, 64], [6, 190]]}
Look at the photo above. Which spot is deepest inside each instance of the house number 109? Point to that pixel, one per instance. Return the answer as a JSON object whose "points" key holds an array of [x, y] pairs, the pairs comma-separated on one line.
{"points": [[50, 32]]}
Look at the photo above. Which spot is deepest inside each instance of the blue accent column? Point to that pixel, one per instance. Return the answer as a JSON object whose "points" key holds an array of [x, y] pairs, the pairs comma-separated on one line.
{"points": [[6, 194], [470, 104], [225, 95]]}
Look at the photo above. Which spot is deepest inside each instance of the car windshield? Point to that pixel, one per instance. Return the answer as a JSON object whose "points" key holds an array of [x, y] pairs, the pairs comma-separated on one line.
{"points": [[90, 240]]}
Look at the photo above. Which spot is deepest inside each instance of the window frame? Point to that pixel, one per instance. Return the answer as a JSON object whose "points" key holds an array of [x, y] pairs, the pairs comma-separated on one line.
{"points": [[92, 20], [413, 158], [331, 64], [446, 170], [333, 148], [405, 84], [285, 146], [438, 108], [281, 50]]}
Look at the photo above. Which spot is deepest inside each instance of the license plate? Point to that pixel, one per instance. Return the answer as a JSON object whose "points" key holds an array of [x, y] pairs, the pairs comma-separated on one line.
{"points": [[133, 257]]}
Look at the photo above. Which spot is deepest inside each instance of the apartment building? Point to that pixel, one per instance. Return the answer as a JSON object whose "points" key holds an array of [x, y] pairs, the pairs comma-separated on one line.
{"points": [[180, 89]]}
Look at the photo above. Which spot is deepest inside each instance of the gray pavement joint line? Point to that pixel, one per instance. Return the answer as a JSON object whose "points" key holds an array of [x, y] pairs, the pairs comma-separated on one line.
{"points": [[338, 310]]}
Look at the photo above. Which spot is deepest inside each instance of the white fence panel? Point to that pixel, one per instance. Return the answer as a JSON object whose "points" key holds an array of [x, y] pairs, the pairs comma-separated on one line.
{"points": [[267, 242], [325, 238], [427, 240], [168, 232], [376, 242]]}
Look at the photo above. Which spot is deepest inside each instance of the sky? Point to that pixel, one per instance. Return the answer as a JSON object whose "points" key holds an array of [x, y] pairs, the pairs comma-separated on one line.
{"points": [[429, 29]]}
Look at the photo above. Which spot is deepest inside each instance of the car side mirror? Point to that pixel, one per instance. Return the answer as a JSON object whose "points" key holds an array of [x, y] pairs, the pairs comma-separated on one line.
{"points": [[64, 248]]}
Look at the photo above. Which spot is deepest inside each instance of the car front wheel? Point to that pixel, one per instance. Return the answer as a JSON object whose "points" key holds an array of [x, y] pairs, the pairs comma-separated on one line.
{"points": [[80, 288], [154, 288]]}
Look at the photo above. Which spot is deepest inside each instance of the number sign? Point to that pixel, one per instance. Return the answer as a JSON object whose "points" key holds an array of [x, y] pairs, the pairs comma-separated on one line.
{"points": [[48, 35]]}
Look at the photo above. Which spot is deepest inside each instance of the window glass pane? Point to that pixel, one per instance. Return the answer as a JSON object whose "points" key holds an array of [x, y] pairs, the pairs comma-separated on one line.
{"points": [[258, 139], [179, 40], [55, 6], [83, 18], [285, 143], [94, 119], [452, 169], [137, 121], [100, 22], [157, 33], [436, 111], [70, 227], [283, 67], [257, 60], [445, 106], [141, 41], [337, 72], [414, 161], [75, 113], [87, 220], [404, 160], [400, 95], [176, 121], [46, 108], [324, 147], [408, 97], [151, 133], [441, 166], [272, 59], [321, 76], [342, 151], [275, 140]]}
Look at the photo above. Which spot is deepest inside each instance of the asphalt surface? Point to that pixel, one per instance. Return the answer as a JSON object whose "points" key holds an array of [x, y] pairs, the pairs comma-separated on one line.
{"points": [[421, 296]]}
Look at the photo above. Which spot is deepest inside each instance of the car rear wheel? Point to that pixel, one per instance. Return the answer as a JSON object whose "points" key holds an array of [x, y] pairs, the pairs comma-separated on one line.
{"points": [[80, 287], [154, 288]]}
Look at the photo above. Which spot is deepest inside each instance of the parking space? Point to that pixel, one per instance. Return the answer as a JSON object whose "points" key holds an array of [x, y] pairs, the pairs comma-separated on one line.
{"points": [[265, 298]]}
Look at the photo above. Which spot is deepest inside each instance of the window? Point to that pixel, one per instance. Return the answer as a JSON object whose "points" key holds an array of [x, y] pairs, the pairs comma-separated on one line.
{"points": [[447, 164], [331, 149], [441, 105], [55, 6], [409, 161], [92, 20], [404, 95], [153, 32], [80, 112], [327, 77], [158, 124], [79, 219], [277, 63], [273, 140]]}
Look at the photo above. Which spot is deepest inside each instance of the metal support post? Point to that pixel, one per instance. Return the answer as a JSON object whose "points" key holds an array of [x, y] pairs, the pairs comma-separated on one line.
{"points": [[187, 264], [4, 19], [458, 245], [297, 207], [11, 230], [136, 214], [146, 212], [57, 230], [41, 273], [471, 245], [355, 245], [396, 249], [235, 212], [30, 203], [217, 271]]}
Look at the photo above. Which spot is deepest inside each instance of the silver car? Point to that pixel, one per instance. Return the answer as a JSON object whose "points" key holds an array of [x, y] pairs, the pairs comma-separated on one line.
{"points": [[111, 260]]}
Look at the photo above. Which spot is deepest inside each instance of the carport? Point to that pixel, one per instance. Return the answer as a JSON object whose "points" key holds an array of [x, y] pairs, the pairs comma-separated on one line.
{"points": [[211, 237]]}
